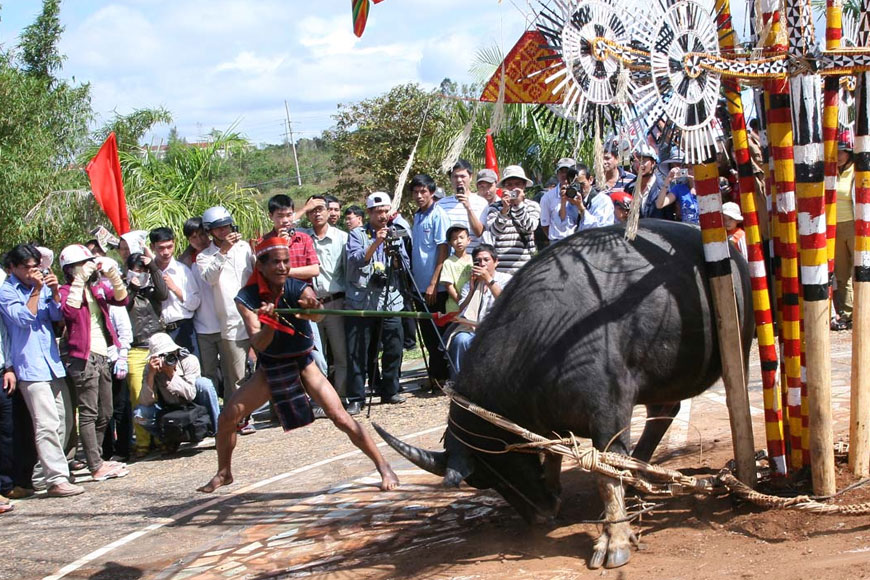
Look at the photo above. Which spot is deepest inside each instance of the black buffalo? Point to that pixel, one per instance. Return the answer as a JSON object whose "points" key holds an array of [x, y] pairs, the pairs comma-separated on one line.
{"points": [[587, 330]]}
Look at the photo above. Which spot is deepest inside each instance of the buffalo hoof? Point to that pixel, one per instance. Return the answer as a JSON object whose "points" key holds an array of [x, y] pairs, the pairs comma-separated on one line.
{"points": [[609, 553]]}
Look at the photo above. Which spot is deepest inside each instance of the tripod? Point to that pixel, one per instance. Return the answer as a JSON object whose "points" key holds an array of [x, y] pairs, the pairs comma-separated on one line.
{"points": [[398, 276]]}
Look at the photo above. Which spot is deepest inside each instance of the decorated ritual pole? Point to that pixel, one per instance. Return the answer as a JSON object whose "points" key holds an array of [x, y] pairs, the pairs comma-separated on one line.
{"points": [[859, 433], [779, 132], [717, 255], [806, 110], [830, 123], [757, 271]]}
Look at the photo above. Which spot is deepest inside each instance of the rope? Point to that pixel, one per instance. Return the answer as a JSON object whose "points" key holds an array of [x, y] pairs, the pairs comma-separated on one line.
{"points": [[615, 465]]}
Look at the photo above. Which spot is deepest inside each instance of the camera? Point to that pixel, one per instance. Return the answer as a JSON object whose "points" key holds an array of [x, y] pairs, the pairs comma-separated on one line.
{"points": [[683, 173], [378, 279], [170, 359], [571, 192], [460, 189], [396, 233], [45, 271], [234, 228], [478, 263]]}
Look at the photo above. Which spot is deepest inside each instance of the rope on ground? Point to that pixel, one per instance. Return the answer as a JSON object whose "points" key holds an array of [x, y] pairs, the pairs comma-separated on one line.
{"points": [[668, 482]]}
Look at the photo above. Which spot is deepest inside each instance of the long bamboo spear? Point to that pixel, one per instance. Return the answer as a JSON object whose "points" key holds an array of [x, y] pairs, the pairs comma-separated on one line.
{"points": [[781, 150], [760, 297], [830, 124], [860, 429]]}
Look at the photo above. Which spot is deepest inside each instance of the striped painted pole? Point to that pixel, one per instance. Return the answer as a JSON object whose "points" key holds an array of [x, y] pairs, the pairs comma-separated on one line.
{"points": [[717, 256], [859, 432], [779, 132], [833, 34], [760, 297], [806, 109]]}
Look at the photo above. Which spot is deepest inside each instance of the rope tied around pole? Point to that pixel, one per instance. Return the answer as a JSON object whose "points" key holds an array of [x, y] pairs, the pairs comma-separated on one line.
{"points": [[627, 469]]}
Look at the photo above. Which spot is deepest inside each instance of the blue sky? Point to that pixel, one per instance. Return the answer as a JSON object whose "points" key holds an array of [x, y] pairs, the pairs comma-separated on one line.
{"points": [[215, 62]]}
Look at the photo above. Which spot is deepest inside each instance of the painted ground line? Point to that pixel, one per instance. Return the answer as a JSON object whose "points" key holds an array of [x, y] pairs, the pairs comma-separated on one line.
{"points": [[70, 568]]}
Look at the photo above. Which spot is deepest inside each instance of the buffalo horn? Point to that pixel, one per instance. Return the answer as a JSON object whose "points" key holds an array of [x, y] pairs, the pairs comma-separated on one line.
{"points": [[432, 461]]}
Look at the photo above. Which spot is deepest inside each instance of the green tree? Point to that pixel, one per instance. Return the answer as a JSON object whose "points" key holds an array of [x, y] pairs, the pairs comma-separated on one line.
{"points": [[43, 127], [373, 139]]}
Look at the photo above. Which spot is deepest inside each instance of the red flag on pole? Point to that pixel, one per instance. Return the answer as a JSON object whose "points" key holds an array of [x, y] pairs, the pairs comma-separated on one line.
{"points": [[491, 160], [104, 171]]}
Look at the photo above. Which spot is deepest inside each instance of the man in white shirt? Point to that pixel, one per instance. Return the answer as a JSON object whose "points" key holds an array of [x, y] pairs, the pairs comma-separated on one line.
{"points": [[226, 265], [555, 225], [465, 207], [330, 245], [178, 309], [205, 321]]}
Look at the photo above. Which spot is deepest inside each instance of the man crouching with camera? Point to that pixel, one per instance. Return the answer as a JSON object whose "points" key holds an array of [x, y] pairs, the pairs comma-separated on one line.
{"points": [[172, 380]]}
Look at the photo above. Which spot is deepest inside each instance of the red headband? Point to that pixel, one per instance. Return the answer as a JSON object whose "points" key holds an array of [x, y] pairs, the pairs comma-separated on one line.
{"points": [[270, 244]]}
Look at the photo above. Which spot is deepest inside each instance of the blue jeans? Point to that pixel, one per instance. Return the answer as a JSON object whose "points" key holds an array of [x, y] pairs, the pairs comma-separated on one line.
{"points": [[459, 344], [146, 415]]}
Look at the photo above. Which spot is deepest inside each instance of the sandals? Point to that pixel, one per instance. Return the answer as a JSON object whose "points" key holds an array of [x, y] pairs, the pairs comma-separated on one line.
{"points": [[841, 324], [5, 506]]}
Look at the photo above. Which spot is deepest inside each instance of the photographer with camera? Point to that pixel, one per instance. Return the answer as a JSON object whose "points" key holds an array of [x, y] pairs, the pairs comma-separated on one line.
{"points": [[513, 221], [30, 303], [678, 190], [183, 300], [173, 381], [465, 207], [373, 283], [85, 301], [226, 265], [593, 210], [558, 218], [475, 300]]}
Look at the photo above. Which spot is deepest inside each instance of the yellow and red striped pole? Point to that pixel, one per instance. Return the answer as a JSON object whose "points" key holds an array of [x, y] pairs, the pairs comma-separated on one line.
{"points": [[859, 433], [779, 132], [760, 297], [833, 34], [717, 257]]}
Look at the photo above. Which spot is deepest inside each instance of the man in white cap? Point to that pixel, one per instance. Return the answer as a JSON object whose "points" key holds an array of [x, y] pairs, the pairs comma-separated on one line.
{"points": [[513, 221], [553, 223], [465, 207], [647, 183], [373, 284], [226, 265], [173, 378]]}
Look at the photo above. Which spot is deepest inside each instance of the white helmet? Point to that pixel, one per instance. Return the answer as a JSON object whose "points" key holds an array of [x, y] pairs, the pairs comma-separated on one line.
{"points": [[215, 217], [75, 254]]}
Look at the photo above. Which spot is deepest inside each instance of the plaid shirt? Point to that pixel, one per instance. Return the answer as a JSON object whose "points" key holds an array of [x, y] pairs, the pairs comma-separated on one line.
{"points": [[301, 250]]}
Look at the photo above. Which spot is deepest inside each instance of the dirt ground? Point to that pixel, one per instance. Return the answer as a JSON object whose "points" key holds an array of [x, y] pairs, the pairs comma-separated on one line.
{"points": [[305, 505]]}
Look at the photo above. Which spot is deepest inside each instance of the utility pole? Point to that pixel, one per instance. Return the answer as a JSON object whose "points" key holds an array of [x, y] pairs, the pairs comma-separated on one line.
{"points": [[292, 143]]}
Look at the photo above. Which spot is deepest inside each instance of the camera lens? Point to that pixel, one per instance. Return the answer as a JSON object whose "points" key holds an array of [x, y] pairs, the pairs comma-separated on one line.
{"points": [[170, 359]]}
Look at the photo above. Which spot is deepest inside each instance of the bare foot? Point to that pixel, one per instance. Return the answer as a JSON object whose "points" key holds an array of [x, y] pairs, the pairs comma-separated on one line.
{"points": [[389, 479], [219, 480]]}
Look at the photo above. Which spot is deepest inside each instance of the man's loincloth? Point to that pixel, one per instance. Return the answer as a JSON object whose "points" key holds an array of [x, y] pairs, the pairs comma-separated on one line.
{"points": [[286, 391]]}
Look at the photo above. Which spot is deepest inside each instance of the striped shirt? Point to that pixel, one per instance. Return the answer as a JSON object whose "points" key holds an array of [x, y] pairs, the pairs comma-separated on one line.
{"points": [[513, 234]]}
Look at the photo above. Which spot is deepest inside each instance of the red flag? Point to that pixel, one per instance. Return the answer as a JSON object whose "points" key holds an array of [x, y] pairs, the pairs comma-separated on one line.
{"points": [[491, 160], [104, 171]]}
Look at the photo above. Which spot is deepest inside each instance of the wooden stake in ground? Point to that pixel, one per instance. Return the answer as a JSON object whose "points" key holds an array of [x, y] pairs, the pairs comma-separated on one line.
{"points": [[717, 255]]}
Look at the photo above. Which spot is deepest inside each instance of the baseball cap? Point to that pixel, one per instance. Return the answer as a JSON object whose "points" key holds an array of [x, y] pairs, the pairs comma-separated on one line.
{"points": [[621, 199], [566, 163], [377, 199], [487, 175]]}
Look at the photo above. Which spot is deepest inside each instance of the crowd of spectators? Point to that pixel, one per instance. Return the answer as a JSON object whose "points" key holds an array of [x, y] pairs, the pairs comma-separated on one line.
{"points": [[149, 346]]}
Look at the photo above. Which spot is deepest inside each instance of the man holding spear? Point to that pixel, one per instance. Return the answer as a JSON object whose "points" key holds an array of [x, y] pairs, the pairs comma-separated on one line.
{"points": [[286, 367]]}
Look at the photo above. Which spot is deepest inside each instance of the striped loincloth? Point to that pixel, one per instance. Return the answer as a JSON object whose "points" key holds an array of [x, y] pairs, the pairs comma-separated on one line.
{"points": [[286, 390]]}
